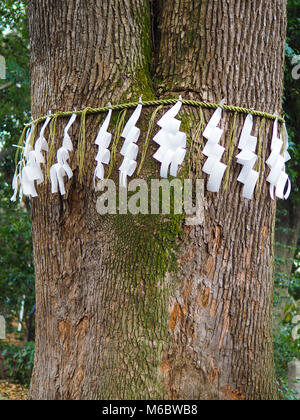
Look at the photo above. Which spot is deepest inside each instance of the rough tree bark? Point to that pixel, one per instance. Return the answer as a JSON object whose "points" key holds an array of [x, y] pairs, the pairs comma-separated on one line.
{"points": [[136, 308]]}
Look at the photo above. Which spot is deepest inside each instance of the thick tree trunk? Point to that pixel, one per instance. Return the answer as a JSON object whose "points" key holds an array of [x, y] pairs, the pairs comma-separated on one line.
{"points": [[136, 307]]}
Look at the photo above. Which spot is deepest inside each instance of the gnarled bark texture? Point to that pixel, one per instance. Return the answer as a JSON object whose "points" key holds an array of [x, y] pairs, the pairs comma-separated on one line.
{"points": [[140, 307]]}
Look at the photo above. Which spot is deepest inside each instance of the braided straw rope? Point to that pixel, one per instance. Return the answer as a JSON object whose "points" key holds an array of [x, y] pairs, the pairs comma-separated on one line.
{"points": [[199, 104], [160, 103]]}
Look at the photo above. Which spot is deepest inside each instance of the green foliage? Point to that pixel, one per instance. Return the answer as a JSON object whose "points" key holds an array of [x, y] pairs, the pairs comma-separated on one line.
{"points": [[15, 90], [18, 361], [285, 347], [286, 393], [291, 102], [16, 261], [294, 286]]}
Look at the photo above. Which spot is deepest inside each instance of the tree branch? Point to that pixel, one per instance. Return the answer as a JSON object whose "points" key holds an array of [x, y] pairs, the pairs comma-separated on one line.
{"points": [[6, 85]]}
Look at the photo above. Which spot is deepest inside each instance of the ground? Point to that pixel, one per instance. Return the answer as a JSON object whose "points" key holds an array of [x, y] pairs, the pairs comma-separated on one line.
{"points": [[11, 391]]}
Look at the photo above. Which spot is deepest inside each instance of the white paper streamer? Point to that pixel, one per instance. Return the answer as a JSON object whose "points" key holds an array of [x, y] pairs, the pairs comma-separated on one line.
{"points": [[278, 178], [103, 140], [16, 184], [40, 145], [172, 142], [130, 150], [17, 180], [27, 146], [214, 152], [62, 168], [32, 171], [30, 167], [248, 158]]}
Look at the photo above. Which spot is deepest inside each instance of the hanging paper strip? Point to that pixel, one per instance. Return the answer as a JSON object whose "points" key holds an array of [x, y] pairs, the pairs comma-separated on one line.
{"points": [[248, 158], [278, 178], [41, 145], [103, 141], [31, 173], [27, 146], [214, 152], [31, 166], [17, 180], [131, 133], [172, 142], [62, 168], [16, 183]]}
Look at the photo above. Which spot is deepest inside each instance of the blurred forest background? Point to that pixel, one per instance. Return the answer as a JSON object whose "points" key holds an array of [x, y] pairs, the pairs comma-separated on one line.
{"points": [[16, 259]]}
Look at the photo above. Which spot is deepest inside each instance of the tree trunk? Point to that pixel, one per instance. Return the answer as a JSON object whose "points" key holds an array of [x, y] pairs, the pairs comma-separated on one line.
{"points": [[132, 307]]}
